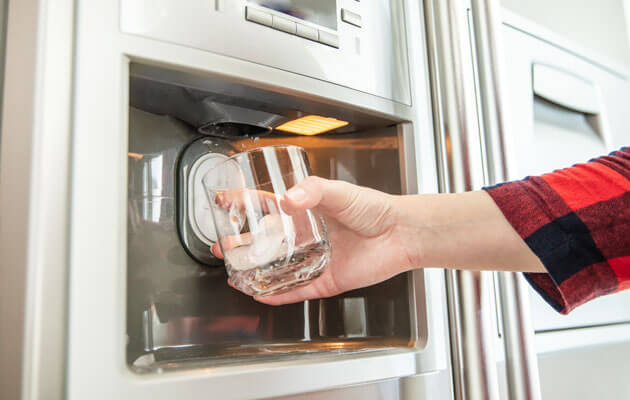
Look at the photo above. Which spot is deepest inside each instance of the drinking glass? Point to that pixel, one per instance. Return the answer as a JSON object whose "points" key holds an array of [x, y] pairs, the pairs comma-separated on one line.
{"points": [[266, 251]]}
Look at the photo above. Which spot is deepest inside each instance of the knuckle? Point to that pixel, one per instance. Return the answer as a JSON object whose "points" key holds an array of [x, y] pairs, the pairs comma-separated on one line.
{"points": [[352, 196]]}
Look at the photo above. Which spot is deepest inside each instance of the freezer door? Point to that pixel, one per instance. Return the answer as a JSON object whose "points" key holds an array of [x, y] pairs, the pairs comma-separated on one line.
{"points": [[568, 108]]}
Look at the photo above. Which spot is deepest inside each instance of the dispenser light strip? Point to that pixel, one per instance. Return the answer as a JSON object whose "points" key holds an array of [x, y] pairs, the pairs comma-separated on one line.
{"points": [[311, 125]]}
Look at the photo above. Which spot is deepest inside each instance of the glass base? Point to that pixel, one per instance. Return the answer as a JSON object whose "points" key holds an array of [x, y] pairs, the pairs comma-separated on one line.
{"points": [[279, 276]]}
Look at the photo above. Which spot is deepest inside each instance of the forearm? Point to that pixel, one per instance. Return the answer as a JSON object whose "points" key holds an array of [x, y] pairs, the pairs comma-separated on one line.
{"points": [[461, 231]]}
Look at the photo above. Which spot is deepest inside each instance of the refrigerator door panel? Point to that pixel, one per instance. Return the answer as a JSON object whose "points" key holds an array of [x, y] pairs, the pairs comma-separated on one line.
{"points": [[550, 132], [584, 354], [96, 361]]}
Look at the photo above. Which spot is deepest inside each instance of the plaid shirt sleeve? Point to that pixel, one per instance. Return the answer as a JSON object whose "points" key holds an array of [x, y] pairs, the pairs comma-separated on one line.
{"points": [[577, 221]]}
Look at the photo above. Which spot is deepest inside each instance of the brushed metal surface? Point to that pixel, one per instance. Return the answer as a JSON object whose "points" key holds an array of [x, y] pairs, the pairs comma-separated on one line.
{"points": [[381, 68], [520, 354], [457, 127]]}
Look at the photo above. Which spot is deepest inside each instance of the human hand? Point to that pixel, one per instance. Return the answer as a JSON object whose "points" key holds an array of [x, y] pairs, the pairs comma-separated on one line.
{"points": [[363, 228]]}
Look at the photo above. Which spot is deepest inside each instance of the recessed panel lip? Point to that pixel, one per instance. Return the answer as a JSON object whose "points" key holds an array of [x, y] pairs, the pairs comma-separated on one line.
{"points": [[137, 59], [169, 71], [279, 378], [269, 361], [317, 360]]}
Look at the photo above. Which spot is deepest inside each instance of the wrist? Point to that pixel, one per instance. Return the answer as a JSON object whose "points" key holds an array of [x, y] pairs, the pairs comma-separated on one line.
{"points": [[434, 228], [464, 231], [411, 230]]}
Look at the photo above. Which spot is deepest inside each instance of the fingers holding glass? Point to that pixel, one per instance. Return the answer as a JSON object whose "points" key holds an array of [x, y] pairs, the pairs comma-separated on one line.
{"points": [[265, 249]]}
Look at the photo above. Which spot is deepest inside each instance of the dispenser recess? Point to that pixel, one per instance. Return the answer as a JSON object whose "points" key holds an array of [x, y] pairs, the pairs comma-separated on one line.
{"points": [[181, 313]]}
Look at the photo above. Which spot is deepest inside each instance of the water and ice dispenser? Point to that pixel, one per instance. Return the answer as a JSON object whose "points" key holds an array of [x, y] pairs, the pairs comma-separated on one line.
{"points": [[180, 309], [131, 103]]}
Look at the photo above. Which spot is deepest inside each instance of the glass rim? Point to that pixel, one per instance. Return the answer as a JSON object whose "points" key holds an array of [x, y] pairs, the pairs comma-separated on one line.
{"points": [[237, 156], [260, 149]]}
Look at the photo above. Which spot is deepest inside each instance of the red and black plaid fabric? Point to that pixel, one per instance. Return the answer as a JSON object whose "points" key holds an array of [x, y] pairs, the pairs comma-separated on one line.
{"points": [[577, 221]]}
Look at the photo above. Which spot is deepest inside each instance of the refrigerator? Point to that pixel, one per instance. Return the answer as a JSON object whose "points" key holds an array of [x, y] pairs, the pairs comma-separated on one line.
{"points": [[109, 283], [108, 290]]}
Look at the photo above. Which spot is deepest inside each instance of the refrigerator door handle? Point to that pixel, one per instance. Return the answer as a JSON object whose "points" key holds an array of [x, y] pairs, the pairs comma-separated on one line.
{"points": [[460, 163], [565, 89], [521, 363]]}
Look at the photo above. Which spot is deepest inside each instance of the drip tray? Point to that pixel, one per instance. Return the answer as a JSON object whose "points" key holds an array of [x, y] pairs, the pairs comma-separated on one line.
{"points": [[196, 356]]}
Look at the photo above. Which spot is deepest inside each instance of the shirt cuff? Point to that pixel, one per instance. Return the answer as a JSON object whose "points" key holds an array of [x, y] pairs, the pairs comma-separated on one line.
{"points": [[522, 205]]}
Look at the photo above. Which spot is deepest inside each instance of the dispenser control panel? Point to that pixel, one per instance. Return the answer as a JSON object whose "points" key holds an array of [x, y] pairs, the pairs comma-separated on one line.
{"points": [[315, 20], [355, 44]]}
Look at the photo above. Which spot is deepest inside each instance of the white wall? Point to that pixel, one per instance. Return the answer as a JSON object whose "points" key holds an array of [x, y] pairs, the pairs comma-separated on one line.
{"points": [[599, 25]]}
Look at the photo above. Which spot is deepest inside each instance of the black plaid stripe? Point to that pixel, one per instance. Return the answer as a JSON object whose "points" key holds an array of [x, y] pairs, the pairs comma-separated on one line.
{"points": [[565, 247]]}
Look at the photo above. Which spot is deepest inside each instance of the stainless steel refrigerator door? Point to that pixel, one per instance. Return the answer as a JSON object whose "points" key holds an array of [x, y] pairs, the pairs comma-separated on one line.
{"points": [[460, 35], [521, 370], [96, 360], [568, 106], [34, 199]]}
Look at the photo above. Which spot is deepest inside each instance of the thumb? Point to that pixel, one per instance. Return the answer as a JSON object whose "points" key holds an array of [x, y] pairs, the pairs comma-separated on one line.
{"points": [[330, 197]]}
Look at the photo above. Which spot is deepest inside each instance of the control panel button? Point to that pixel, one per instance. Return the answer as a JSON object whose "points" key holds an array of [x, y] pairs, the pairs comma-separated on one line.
{"points": [[307, 32], [329, 38], [284, 25], [257, 16], [350, 17]]}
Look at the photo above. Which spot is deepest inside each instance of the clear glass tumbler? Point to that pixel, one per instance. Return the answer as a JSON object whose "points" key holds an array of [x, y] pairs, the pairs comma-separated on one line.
{"points": [[266, 251]]}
